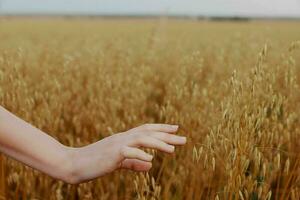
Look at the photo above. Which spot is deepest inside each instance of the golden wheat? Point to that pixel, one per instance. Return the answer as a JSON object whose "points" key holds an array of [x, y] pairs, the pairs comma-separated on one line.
{"points": [[232, 87]]}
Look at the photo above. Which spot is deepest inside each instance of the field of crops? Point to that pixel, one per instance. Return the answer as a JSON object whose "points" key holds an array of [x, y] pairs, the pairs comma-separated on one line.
{"points": [[233, 87]]}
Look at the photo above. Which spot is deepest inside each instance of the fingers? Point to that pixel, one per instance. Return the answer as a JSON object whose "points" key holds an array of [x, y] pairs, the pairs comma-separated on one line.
{"points": [[135, 153], [168, 138], [153, 143], [136, 165], [154, 136], [157, 127]]}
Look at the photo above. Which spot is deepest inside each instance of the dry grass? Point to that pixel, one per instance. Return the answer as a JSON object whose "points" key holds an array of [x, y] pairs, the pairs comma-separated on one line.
{"points": [[232, 87]]}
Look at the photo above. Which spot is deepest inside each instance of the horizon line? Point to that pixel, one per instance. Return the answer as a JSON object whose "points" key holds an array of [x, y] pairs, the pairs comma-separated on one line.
{"points": [[154, 15]]}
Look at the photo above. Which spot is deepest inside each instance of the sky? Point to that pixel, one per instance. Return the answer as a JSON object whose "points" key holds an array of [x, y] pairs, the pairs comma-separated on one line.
{"points": [[260, 8]]}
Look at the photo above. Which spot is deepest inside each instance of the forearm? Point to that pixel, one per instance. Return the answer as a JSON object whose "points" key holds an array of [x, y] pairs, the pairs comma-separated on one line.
{"points": [[25, 143]]}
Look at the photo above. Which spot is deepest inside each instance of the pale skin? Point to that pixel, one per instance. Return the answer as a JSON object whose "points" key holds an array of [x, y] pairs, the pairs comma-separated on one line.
{"points": [[31, 146]]}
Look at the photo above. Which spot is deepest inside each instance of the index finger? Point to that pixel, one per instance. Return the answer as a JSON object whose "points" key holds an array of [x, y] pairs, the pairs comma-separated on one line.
{"points": [[168, 128]]}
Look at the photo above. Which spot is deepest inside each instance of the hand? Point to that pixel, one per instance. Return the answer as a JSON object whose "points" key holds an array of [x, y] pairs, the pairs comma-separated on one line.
{"points": [[122, 151]]}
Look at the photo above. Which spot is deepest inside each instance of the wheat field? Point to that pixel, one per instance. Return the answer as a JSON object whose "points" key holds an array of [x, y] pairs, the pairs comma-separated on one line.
{"points": [[233, 87]]}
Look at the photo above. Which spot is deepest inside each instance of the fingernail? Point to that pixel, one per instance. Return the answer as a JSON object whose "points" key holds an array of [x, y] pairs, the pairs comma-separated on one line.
{"points": [[183, 139], [172, 148], [150, 157], [175, 127]]}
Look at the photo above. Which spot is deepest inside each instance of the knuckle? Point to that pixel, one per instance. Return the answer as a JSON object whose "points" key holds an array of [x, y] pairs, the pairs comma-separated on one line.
{"points": [[147, 126], [148, 133], [165, 137], [123, 150], [139, 139]]}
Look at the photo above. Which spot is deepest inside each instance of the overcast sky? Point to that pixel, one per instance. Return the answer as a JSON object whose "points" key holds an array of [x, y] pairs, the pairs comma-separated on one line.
{"points": [[286, 8]]}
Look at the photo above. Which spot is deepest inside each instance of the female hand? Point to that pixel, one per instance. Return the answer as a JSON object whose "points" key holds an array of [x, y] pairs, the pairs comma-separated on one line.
{"points": [[31, 146], [122, 151]]}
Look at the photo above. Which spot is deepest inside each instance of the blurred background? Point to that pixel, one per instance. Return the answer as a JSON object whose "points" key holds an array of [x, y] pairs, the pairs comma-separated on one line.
{"points": [[226, 71]]}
